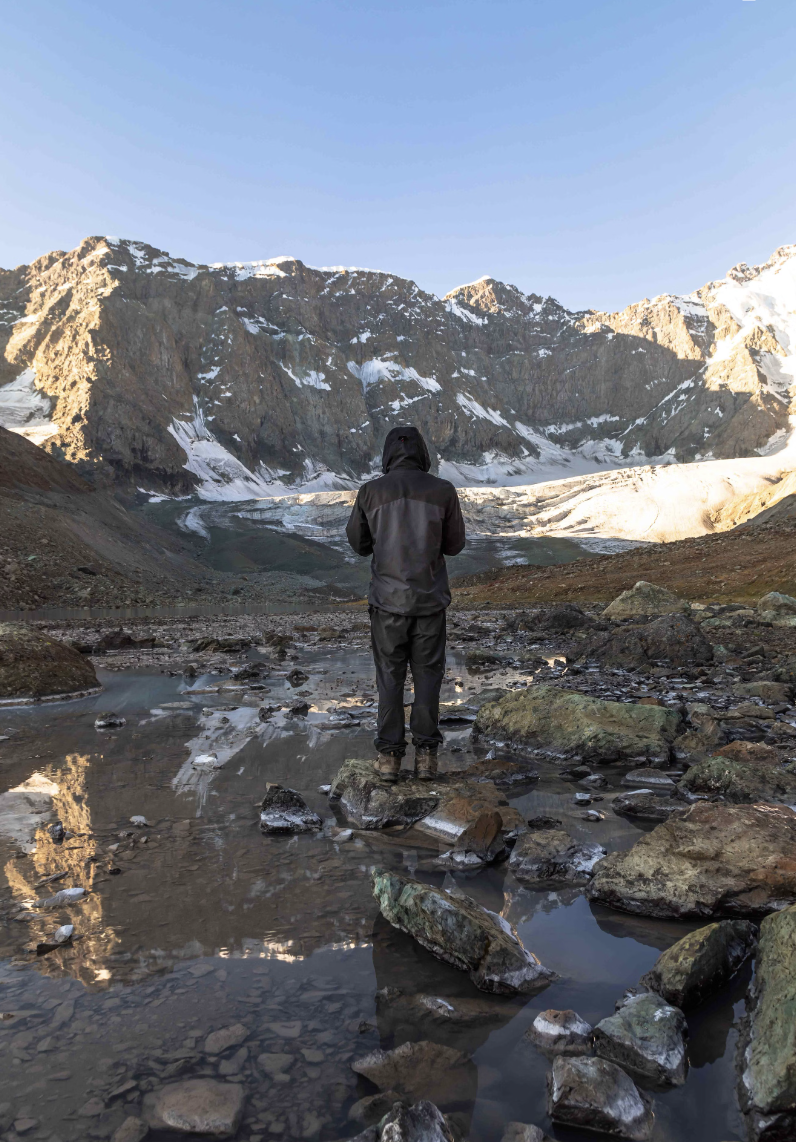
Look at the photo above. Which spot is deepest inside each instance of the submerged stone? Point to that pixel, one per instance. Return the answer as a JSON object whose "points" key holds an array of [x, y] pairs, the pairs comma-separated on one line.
{"points": [[736, 860], [552, 854], [595, 1094], [567, 722], [561, 1033], [702, 962], [767, 1049], [421, 1070], [646, 1035], [284, 811], [459, 931], [197, 1106]]}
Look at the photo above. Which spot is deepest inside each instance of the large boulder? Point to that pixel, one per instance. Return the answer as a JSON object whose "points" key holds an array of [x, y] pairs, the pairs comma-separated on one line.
{"points": [[702, 962], [646, 1035], [778, 603], [767, 1049], [444, 807], [718, 859], [34, 666], [196, 1106], [459, 931], [645, 599], [552, 854], [286, 811], [422, 1122], [674, 639], [647, 805], [569, 723], [740, 782], [595, 1094], [769, 691]]}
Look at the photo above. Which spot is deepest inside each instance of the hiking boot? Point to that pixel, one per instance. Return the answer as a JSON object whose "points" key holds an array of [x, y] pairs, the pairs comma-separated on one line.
{"points": [[388, 766], [425, 764]]}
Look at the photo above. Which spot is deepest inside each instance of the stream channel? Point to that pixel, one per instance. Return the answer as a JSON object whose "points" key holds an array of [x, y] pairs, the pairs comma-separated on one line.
{"points": [[197, 923]]}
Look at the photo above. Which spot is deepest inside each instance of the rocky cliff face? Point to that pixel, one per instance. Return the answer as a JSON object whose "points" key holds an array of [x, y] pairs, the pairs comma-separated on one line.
{"points": [[243, 379]]}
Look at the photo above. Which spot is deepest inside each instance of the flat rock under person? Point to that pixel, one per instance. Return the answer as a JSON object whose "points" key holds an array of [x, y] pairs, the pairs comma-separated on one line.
{"points": [[408, 520]]}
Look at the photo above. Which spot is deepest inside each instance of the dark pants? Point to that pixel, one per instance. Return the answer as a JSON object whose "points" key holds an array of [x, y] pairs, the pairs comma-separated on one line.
{"points": [[400, 641]]}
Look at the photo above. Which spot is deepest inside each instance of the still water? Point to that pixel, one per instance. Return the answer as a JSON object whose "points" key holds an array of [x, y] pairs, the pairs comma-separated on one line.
{"points": [[198, 923]]}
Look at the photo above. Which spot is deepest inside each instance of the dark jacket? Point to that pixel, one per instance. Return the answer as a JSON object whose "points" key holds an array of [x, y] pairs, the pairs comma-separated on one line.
{"points": [[408, 520]]}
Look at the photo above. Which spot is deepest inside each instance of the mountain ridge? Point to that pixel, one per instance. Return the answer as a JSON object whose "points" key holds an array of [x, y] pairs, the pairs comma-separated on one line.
{"points": [[242, 379]]}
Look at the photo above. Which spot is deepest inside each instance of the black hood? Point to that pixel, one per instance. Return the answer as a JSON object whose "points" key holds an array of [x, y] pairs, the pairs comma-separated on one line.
{"points": [[405, 448]]}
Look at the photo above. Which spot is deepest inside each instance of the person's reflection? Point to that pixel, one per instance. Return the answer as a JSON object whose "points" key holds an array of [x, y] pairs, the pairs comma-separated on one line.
{"points": [[421, 998]]}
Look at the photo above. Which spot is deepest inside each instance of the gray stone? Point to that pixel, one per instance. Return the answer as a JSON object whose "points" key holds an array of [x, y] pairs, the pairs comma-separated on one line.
{"points": [[284, 811], [776, 601], [219, 1041], [567, 722], [645, 599], [275, 1063], [737, 860], [702, 962], [673, 639], [552, 854], [370, 1110], [777, 692], [646, 805], [595, 1094], [523, 1132], [459, 931], [421, 1070], [196, 1106], [422, 1122], [561, 1033], [646, 1035], [653, 778], [109, 721], [767, 1048]]}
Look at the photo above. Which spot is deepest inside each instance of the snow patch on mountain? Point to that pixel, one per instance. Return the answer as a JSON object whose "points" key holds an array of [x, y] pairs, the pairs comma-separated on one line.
{"points": [[25, 410]]}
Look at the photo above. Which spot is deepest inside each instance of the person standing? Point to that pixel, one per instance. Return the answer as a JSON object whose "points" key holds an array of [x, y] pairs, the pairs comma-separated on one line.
{"points": [[408, 520]]}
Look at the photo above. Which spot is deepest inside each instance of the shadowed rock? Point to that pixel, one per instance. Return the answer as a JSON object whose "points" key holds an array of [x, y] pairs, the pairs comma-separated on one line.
{"points": [[595, 1094], [422, 1122], [567, 722], [737, 860], [739, 782], [284, 811], [552, 854], [480, 844], [646, 805], [560, 1033], [702, 962], [458, 930], [673, 639], [34, 666], [421, 1070]]}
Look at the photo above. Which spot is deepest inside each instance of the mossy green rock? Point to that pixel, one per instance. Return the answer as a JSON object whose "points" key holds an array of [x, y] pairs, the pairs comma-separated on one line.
{"points": [[767, 1088], [33, 666], [458, 930], [702, 962], [567, 722], [742, 783]]}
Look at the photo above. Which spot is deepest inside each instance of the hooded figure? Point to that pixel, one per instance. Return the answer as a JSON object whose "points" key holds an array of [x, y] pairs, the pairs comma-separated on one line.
{"points": [[408, 520]]}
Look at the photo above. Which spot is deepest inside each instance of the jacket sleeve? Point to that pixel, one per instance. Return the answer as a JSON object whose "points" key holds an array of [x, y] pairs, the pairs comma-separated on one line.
{"points": [[357, 529], [453, 536]]}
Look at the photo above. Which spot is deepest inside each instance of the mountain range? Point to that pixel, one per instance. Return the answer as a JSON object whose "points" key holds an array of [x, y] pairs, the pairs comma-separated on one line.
{"points": [[239, 380]]}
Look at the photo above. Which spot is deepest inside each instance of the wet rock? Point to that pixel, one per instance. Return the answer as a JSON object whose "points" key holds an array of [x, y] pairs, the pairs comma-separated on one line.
{"points": [[131, 1130], [421, 1070], [274, 1063], [673, 639], [701, 963], [646, 1035], [558, 619], [567, 722], [786, 673], [284, 811], [109, 721], [560, 1033], [595, 1094], [737, 860], [479, 659], [298, 709], [216, 645], [501, 772], [488, 694], [481, 843], [422, 1122], [196, 1106], [645, 599], [767, 1048], [646, 805], [543, 822], [749, 752], [552, 854], [219, 1041], [405, 1010], [459, 931], [297, 677], [32, 666], [740, 782], [654, 778], [522, 1132]]}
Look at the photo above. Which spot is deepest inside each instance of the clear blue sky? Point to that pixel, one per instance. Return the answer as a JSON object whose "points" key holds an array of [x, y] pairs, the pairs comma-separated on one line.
{"points": [[595, 150]]}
